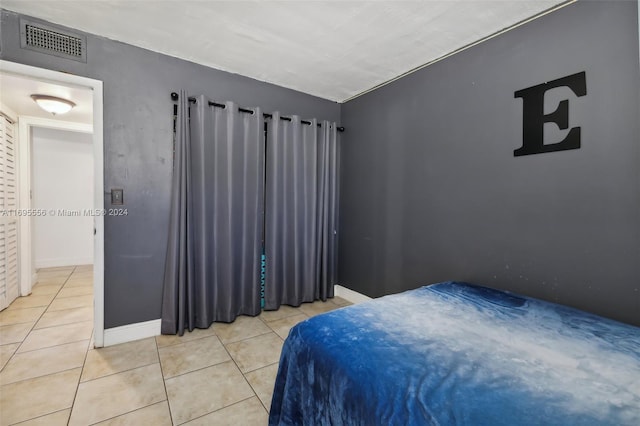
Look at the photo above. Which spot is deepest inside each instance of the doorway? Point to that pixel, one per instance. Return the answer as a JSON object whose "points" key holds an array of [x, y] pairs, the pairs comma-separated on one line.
{"points": [[61, 189], [27, 125]]}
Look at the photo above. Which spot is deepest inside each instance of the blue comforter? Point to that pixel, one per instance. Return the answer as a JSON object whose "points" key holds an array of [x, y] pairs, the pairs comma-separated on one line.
{"points": [[458, 354]]}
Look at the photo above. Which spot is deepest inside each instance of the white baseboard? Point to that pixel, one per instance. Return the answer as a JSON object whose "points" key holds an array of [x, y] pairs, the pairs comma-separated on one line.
{"points": [[130, 332], [142, 330], [52, 263], [350, 295]]}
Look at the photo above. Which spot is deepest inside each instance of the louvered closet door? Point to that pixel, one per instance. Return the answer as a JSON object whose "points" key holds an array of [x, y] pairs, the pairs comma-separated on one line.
{"points": [[8, 217]]}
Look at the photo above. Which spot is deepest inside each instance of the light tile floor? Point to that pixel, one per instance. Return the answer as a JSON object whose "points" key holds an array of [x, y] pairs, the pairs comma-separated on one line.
{"points": [[50, 374]]}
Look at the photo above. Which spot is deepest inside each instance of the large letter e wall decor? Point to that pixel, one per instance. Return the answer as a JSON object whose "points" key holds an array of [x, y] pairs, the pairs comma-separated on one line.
{"points": [[533, 117]]}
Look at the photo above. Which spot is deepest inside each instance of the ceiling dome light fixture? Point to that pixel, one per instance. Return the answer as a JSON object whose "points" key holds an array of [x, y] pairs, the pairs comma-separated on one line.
{"points": [[53, 104]]}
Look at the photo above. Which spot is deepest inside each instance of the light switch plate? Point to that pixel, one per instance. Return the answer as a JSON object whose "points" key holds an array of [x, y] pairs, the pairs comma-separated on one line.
{"points": [[117, 196]]}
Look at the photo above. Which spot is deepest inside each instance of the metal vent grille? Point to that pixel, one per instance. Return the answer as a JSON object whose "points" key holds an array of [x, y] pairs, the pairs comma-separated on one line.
{"points": [[51, 40]]}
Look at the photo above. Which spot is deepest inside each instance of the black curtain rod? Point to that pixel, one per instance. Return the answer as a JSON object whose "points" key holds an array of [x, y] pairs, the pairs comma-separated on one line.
{"points": [[174, 97]]}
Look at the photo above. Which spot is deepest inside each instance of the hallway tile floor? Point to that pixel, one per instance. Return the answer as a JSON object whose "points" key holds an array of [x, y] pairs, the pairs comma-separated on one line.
{"points": [[51, 375]]}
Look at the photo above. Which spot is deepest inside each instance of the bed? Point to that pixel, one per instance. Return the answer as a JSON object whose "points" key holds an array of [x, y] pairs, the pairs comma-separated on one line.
{"points": [[458, 354]]}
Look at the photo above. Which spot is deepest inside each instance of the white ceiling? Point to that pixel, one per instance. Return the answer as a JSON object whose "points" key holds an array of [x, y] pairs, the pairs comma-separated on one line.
{"points": [[16, 91], [331, 49]]}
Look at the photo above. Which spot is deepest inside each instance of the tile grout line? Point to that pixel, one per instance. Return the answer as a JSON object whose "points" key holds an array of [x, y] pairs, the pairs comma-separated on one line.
{"points": [[193, 371], [208, 366], [77, 295], [52, 346], [27, 336], [86, 354], [264, 366], [38, 377], [232, 359], [215, 411], [61, 325], [118, 372], [32, 327], [243, 376], [215, 334], [186, 341], [268, 409], [36, 322], [247, 338], [129, 412], [164, 381], [70, 309], [38, 417], [31, 330]]}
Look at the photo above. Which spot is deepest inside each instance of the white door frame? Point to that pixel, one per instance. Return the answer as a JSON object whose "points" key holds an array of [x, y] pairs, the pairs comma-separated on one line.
{"points": [[25, 125]]}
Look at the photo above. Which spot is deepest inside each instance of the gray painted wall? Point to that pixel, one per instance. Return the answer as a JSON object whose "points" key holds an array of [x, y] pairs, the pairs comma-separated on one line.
{"points": [[137, 145], [431, 190]]}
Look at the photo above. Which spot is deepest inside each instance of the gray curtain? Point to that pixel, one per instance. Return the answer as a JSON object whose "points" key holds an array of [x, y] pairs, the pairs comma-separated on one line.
{"points": [[301, 211], [216, 226], [328, 193]]}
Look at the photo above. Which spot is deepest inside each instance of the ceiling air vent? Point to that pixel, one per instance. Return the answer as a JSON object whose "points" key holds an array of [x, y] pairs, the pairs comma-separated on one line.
{"points": [[52, 40]]}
